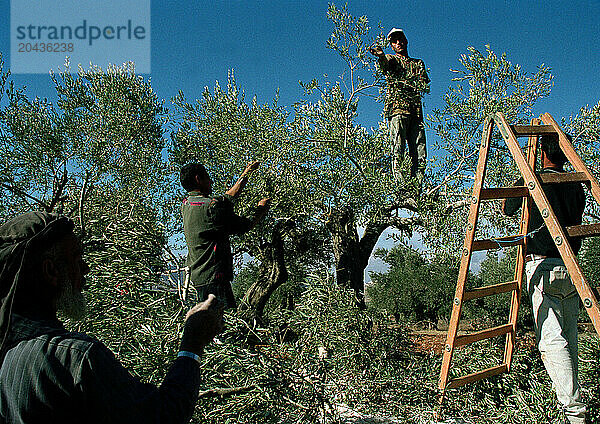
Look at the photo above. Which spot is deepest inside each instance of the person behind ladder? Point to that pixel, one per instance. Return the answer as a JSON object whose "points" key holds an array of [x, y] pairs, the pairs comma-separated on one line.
{"points": [[553, 296]]}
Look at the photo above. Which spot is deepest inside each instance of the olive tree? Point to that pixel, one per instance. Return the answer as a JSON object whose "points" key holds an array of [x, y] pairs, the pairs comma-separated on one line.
{"points": [[96, 155], [224, 132], [352, 180]]}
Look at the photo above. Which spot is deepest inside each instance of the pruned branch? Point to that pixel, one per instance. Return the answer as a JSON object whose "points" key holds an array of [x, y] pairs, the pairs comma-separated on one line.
{"points": [[408, 203], [225, 391]]}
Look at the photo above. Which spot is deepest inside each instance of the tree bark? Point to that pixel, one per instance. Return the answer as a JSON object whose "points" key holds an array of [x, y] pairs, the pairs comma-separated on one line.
{"points": [[352, 253], [272, 273]]}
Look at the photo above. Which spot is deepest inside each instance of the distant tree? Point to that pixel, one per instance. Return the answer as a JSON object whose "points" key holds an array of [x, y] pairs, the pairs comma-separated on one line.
{"points": [[414, 289]]}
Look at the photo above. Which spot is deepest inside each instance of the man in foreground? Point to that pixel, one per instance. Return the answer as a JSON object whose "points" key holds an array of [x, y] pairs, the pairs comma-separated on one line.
{"points": [[407, 80], [553, 296], [207, 224], [50, 375]]}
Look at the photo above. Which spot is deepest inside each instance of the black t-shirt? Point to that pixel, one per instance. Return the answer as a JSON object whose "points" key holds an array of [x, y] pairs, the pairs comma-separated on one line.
{"points": [[567, 201]]}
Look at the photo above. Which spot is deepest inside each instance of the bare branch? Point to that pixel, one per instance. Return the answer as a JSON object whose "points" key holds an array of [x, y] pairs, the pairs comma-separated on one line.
{"points": [[456, 170], [82, 197], [224, 391]]}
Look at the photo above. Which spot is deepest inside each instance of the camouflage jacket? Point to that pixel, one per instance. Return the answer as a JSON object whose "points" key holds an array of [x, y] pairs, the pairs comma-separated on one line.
{"points": [[407, 81]]}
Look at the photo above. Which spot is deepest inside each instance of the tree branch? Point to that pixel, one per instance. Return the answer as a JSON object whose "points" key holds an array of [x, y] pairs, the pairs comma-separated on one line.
{"points": [[404, 224], [456, 205], [21, 193], [57, 190], [82, 198], [370, 237]]}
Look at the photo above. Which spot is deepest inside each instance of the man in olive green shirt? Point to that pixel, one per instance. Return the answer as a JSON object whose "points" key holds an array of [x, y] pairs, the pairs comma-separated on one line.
{"points": [[207, 224], [407, 80]]}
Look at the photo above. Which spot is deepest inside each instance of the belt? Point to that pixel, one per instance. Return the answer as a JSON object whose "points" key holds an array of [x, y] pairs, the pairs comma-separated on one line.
{"points": [[534, 257]]}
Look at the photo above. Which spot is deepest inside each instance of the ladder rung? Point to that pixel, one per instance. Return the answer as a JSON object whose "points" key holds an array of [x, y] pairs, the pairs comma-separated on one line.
{"points": [[476, 376], [487, 244], [564, 177], [482, 335], [489, 290], [585, 230], [526, 130], [504, 192]]}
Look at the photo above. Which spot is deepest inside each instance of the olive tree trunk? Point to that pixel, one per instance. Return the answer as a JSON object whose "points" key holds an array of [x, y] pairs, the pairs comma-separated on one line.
{"points": [[272, 273], [351, 253]]}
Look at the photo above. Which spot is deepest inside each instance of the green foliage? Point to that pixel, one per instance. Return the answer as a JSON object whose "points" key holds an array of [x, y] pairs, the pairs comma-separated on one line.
{"points": [[350, 165], [225, 133], [295, 381], [584, 127], [370, 369], [413, 289], [103, 135], [589, 259], [96, 156], [130, 310], [347, 38]]}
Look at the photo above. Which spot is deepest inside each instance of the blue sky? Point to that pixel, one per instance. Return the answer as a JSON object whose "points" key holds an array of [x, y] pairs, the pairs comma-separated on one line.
{"points": [[272, 45]]}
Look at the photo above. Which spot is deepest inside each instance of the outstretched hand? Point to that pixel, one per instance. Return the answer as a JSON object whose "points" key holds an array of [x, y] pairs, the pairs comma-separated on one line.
{"points": [[376, 50], [203, 322], [251, 167]]}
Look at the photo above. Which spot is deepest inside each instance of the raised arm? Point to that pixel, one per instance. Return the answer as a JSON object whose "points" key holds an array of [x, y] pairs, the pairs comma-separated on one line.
{"points": [[237, 188]]}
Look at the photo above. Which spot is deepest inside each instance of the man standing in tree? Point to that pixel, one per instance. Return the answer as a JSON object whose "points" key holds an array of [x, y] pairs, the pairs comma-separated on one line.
{"points": [[207, 224], [407, 80], [553, 296]]}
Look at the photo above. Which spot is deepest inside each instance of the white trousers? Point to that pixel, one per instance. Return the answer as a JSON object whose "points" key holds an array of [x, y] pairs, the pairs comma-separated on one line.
{"points": [[555, 311]]}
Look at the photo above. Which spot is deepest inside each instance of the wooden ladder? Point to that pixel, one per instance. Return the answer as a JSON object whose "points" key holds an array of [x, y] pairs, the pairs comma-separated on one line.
{"points": [[530, 191]]}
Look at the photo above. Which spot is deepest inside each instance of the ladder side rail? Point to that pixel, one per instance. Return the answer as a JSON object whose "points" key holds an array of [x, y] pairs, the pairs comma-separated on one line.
{"points": [[511, 337], [466, 254], [556, 231]]}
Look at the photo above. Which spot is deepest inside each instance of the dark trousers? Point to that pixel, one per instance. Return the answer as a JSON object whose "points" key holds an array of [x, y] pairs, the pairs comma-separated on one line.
{"points": [[408, 129]]}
